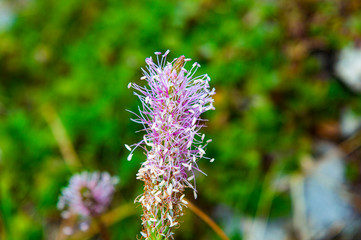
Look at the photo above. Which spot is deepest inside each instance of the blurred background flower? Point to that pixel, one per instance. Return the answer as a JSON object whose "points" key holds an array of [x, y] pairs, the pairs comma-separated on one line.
{"points": [[64, 70], [88, 194]]}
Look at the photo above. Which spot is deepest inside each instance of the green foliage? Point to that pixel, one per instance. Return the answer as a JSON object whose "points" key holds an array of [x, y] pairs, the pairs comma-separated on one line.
{"points": [[272, 93]]}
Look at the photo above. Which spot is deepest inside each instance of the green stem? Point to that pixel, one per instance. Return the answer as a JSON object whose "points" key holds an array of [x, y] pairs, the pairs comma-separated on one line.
{"points": [[155, 234], [156, 237]]}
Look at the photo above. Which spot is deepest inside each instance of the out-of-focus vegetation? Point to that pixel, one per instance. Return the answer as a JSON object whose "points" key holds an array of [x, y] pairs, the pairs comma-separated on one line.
{"points": [[64, 70]]}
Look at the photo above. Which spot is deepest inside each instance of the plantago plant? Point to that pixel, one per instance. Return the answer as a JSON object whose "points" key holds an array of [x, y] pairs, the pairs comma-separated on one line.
{"points": [[88, 196], [172, 101]]}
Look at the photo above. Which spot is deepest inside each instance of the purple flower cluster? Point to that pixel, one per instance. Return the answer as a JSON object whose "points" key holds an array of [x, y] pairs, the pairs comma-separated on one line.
{"points": [[88, 194], [172, 103]]}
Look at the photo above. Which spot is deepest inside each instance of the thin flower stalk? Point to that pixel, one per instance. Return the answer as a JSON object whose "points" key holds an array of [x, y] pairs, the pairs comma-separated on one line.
{"points": [[172, 101]]}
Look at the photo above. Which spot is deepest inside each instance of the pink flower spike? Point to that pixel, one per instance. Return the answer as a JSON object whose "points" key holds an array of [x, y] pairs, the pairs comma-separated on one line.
{"points": [[170, 111], [88, 194]]}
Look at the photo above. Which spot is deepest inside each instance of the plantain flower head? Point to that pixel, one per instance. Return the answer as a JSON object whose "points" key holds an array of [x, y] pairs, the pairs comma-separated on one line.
{"points": [[88, 194], [172, 101]]}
